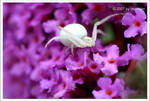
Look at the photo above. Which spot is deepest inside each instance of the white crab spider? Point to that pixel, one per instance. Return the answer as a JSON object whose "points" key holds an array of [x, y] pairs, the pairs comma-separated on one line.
{"points": [[75, 35]]}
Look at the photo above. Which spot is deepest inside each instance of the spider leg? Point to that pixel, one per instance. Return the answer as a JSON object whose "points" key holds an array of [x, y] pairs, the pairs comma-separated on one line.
{"points": [[67, 49], [94, 33], [101, 32], [54, 38], [72, 46]]}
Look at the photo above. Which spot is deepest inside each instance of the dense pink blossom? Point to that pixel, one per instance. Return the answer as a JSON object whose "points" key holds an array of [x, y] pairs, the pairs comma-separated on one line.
{"points": [[32, 71], [137, 23], [63, 16], [108, 63], [109, 89]]}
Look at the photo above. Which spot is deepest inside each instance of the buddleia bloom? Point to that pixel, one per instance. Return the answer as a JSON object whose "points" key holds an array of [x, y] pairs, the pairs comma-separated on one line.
{"points": [[137, 24]]}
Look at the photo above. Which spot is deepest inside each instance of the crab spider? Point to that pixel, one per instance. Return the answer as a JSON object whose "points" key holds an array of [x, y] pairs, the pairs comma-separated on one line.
{"points": [[75, 35]]}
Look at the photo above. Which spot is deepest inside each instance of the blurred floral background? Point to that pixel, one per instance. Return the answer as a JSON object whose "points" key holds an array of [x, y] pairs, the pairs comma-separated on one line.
{"points": [[116, 67]]}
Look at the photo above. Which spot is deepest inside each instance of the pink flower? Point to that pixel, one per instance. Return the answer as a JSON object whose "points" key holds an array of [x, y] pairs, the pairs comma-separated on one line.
{"points": [[135, 52], [26, 57], [47, 84], [77, 77], [57, 57], [108, 62], [51, 26], [94, 11], [78, 61], [94, 67], [63, 16], [108, 90], [59, 84], [137, 23]]}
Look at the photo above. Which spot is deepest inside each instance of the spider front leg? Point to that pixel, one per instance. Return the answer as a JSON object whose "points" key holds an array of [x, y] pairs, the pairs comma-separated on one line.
{"points": [[95, 30], [54, 38]]}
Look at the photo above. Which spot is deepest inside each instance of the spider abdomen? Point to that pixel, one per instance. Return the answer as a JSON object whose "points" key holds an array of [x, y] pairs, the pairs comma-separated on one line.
{"points": [[75, 30]]}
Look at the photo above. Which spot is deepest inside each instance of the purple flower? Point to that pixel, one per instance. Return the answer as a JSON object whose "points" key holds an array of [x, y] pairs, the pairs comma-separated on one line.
{"points": [[15, 87], [94, 67], [108, 90], [94, 11], [57, 57], [108, 63], [77, 77], [73, 64], [78, 61], [17, 24], [136, 52], [36, 74], [51, 26], [63, 16], [47, 84], [136, 23], [32, 71], [59, 84], [35, 38], [25, 59], [40, 12]]}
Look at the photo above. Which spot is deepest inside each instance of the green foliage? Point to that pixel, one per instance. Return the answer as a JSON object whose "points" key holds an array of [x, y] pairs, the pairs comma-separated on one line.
{"points": [[137, 80], [109, 34]]}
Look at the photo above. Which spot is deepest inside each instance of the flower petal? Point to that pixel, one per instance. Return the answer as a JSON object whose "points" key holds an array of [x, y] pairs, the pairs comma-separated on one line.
{"points": [[140, 14], [45, 84], [104, 82], [128, 19], [124, 59], [137, 51], [101, 94], [118, 85], [131, 32], [113, 52], [143, 29], [99, 59], [61, 14], [51, 26], [110, 69]]}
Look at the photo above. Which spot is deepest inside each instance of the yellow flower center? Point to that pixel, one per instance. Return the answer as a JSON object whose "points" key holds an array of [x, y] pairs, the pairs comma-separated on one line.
{"points": [[111, 61], [81, 64], [137, 23], [108, 92]]}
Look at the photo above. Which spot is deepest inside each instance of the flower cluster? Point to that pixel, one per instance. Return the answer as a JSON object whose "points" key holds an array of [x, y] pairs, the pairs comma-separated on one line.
{"points": [[32, 71]]}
